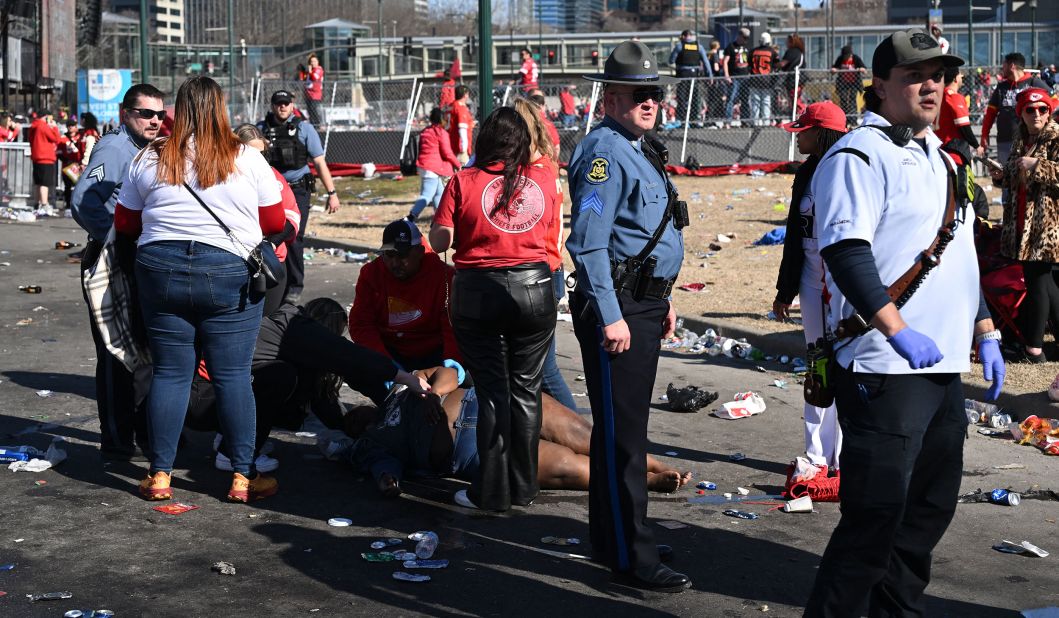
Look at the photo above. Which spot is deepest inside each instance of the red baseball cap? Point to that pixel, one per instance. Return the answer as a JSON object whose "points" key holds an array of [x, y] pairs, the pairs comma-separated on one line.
{"points": [[1030, 96], [824, 114]]}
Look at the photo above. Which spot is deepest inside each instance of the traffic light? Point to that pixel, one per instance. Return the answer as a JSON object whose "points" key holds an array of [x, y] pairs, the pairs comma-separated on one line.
{"points": [[551, 56], [224, 67], [595, 57]]}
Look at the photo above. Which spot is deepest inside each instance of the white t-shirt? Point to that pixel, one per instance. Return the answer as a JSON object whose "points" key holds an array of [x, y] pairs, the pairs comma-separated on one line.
{"points": [[172, 213], [896, 201]]}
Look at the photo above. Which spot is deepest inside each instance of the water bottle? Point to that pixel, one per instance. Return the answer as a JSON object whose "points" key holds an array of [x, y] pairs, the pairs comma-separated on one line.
{"points": [[18, 453], [427, 544], [985, 410]]}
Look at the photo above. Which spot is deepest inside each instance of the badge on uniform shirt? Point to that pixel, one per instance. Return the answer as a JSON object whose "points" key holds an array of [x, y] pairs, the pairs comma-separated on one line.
{"points": [[597, 171], [592, 203]]}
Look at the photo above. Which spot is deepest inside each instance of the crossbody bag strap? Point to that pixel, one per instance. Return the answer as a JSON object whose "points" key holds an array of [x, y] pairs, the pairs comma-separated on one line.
{"points": [[198, 199], [902, 289]]}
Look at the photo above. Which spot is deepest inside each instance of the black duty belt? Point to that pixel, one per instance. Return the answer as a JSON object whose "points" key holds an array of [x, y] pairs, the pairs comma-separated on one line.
{"points": [[656, 287]]}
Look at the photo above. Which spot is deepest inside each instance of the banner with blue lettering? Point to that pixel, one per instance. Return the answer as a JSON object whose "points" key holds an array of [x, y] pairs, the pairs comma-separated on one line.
{"points": [[100, 91]]}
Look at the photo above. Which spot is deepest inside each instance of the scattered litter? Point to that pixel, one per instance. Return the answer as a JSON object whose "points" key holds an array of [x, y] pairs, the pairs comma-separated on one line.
{"points": [[7, 567], [45, 393], [579, 379], [799, 505], [989, 431], [401, 576], [706, 485], [670, 524], [426, 543], [692, 287], [30, 289], [672, 453], [740, 514], [350, 256], [743, 491], [380, 544], [66, 244], [723, 238], [780, 384], [736, 457], [1025, 548], [555, 540], [1042, 433], [305, 434], [761, 369], [743, 405], [715, 247], [774, 237], [50, 596], [19, 540], [24, 322], [727, 496], [340, 522], [224, 568], [689, 398], [176, 508], [426, 564], [402, 556], [52, 457], [700, 492], [1004, 497], [1042, 612], [40, 308], [579, 394], [40, 483], [378, 556]]}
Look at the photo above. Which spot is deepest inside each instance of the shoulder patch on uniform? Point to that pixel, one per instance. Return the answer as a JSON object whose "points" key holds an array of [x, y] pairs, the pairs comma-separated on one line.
{"points": [[592, 203], [98, 173], [597, 171]]}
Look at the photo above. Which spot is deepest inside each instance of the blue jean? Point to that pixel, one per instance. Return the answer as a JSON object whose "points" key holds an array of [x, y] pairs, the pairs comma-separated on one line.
{"points": [[733, 98], [430, 189], [465, 460], [196, 293], [552, 381]]}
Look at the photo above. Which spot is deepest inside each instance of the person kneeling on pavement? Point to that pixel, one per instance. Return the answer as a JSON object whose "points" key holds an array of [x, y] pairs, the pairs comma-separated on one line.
{"points": [[300, 360], [401, 307], [437, 436]]}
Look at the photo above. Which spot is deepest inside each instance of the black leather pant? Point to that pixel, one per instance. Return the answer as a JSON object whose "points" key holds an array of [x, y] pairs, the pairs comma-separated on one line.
{"points": [[504, 320]]}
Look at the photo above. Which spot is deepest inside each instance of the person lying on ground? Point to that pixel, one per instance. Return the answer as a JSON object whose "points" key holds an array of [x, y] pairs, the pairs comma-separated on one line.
{"points": [[300, 361], [436, 435]]}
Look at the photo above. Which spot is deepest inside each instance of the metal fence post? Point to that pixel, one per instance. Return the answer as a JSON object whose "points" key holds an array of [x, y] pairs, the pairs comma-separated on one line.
{"points": [[687, 119]]}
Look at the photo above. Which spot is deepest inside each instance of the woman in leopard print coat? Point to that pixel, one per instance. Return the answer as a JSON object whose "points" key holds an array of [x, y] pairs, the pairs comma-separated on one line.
{"points": [[1030, 232]]}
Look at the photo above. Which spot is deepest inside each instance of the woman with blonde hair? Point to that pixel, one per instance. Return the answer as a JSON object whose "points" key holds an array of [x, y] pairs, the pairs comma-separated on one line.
{"points": [[544, 157], [194, 276]]}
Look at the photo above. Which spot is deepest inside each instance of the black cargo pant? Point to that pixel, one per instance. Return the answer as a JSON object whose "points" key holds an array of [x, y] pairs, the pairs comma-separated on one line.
{"points": [[504, 320], [296, 255], [121, 396], [902, 462], [619, 389]]}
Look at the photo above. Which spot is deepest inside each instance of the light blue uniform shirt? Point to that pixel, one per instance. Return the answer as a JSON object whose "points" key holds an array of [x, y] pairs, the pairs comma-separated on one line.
{"points": [[307, 135], [96, 194], [618, 202]]}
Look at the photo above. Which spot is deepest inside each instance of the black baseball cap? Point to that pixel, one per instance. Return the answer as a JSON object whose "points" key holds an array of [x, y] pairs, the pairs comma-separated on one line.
{"points": [[906, 47], [282, 96], [401, 236]]}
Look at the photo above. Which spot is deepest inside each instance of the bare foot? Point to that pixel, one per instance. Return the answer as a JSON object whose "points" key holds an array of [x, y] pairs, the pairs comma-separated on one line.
{"points": [[389, 486], [685, 479], [665, 482]]}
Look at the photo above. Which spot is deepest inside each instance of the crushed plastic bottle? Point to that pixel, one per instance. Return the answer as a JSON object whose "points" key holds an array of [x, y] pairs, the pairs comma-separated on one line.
{"points": [[410, 577], [757, 173], [742, 192], [384, 543], [426, 543]]}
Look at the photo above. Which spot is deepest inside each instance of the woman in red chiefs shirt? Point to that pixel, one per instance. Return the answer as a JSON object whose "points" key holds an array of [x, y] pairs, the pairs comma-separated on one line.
{"points": [[500, 214]]}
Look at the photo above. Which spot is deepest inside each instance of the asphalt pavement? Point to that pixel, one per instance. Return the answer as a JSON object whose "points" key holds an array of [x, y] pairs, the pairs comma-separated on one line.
{"points": [[81, 528]]}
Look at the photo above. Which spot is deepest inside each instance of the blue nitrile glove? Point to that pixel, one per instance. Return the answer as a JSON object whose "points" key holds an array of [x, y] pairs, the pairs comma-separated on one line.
{"points": [[460, 373], [916, 348], [993, 368]]}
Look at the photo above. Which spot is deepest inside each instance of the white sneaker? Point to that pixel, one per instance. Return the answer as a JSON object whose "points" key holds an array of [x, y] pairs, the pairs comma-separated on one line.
{"points": [[263, 463], [463, 500]]}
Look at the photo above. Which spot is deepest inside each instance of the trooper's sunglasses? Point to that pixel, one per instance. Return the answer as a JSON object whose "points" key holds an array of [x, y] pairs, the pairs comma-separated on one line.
{"points": [[147, 114], [641, 95]]}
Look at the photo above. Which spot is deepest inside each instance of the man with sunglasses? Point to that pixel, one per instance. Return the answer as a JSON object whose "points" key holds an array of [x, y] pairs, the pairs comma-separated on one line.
{"points": [[120, 394], [882, 198], [627, 250], [293, 142]]}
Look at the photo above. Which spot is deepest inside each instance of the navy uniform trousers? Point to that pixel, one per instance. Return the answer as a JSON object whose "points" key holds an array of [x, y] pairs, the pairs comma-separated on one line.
{"points": [[619, 389], [902, 463]]}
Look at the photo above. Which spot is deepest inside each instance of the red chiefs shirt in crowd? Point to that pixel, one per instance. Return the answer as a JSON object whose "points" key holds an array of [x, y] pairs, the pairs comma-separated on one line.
{"points": [[43, 138], [461, 117], [448, 94], [290, 213], [314, 86], [69, 150], [553, 133], [435, 152], [954, 114], [567, 103], [9, 135], [407, 318], [555, 235], [518, 234], [528, 74]]}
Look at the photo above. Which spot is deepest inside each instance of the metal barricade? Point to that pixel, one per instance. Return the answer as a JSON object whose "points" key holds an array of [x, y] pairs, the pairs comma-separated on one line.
{"points": [[16, 175]]}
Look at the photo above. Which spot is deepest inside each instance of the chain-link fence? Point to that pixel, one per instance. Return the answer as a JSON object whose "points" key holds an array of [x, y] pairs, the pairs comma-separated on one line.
{"points": [[705, 121]]}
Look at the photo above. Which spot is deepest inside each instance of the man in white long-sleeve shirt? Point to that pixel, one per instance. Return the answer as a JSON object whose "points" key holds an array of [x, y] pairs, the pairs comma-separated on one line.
{"points": [[461, 125]]}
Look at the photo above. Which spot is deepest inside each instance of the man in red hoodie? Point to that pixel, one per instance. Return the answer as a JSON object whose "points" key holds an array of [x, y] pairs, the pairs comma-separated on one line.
{"points": [[43, 138], [401, 303]]}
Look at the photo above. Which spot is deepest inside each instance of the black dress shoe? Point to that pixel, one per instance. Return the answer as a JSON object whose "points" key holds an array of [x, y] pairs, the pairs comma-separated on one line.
{"points": [[658, 578]]}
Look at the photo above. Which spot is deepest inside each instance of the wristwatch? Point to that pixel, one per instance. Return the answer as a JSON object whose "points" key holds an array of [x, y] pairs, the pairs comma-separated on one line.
{"points": [[331, 192], [993, 335]]}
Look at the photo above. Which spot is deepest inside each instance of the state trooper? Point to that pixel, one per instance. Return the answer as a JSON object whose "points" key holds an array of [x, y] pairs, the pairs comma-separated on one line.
{"points": [[120, 395], [627, 247], [293, 142], [689, 60]]}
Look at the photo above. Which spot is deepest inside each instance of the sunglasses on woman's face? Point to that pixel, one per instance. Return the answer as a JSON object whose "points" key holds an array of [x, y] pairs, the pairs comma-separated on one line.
{"points": [[147, 114], [1037, 110]]}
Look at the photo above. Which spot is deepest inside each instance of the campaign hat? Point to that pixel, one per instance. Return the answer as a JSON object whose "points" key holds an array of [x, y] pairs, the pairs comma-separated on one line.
{"points": [[631, 63]]}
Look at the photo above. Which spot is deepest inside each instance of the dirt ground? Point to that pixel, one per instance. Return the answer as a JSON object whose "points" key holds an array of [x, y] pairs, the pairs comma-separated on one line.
{"points": [[740, 278]]}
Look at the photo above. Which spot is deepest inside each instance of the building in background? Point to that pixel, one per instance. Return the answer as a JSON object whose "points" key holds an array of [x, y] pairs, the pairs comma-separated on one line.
{"points": [[167, 18], [570, 15]]}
